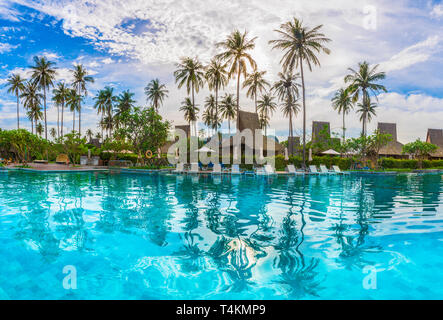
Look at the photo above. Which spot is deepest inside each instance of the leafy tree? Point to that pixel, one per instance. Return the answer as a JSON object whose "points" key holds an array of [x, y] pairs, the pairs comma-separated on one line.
{"points": [[60, 96], [420, 150], [227, 109], [366, 110], [190, 110], [300, 44], [217, 78], [256, 83], [368, 147], [342, 102], [266, 106], [74, 146], [25, 145], [32, 102]]}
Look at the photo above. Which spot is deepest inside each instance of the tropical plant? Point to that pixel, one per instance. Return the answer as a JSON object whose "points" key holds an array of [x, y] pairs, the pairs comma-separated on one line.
{"points": [[43, 74], [235, 53], [89, 134], [104, 103], [32, 102], [79, 84], [364, 83], [16, 85], [190, 73], [190, 112], [300, 44], [39, 129], [287, 92], [342, 102], [266, 107], [228, 109], [217, 78], [368, 147], [60, 95], [420, 150], [367, 110], [156, 92], [125, 103], [73, 103], [210, 115], [256, 83], [53, 133]]}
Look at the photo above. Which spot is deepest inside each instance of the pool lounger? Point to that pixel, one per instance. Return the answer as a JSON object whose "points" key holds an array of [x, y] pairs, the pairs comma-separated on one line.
{"points": [[194, 168], [179, 168], [323, 169], [313, 169], [216, 169], [235, 169]]}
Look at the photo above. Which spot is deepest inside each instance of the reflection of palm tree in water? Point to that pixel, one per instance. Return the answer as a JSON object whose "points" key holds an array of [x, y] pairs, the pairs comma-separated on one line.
{"points": [[298, 276]]}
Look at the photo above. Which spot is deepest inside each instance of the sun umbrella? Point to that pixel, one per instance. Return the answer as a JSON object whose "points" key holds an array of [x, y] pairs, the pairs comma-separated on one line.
{"points": [[205, 149], [331, 152], [310, 155], [286, 154]]}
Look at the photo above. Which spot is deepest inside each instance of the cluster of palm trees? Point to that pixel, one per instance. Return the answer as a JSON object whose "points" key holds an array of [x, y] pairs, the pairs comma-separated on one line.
{"points": [[361, 83], [300, 45], [35, 90]]}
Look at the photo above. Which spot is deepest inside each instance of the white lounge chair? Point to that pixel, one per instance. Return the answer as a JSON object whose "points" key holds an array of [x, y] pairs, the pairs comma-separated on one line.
{"points": [[313, 169], [235, 169], [194, 168], [216, 169], [290, 168], [323, 169], [179, 168], [338, 171], [259, 171], [269, 169]]}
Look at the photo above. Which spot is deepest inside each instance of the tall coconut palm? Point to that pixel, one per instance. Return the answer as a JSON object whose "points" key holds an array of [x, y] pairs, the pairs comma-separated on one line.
{"points": [[363, 82], [53, 133], [39, 129], [342, 102], [59, 96], [266, 106], [228, 108], [217, 78], [190, 73], [43, 74], [236, 48], [366, 110], [79, 84], [256, 83], [156, 92], [190, 112], [89, 134], [125, 103], [73, 103], [210, 110], [109, 99], [16, 85], [32, 102], [263, 120], [300, 44], [287, 92]]}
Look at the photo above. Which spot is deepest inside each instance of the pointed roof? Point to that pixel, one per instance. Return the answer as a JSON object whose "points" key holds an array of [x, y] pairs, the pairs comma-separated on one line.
{"points": [[435, 136], [393, 148]]}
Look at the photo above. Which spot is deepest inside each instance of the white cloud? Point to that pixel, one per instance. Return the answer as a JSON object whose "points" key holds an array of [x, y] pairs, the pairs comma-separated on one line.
{"points": [[437, 11], [6, 47]]}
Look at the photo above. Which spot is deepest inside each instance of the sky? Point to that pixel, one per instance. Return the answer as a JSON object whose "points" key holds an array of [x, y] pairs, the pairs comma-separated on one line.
{"points": [[127, 43]]}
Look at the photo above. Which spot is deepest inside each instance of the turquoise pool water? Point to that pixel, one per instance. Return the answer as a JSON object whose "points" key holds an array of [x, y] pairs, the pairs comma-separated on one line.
{"points": [[180, 237]]}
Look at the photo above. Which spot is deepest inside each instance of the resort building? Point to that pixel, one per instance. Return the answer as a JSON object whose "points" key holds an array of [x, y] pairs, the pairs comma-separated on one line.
{"points": [[393, 149], [435, 136], [321, 137]]}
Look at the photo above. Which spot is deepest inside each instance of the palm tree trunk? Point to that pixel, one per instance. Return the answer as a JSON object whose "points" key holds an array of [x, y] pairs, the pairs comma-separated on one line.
{"points": [[229, 126], [101, 126], [344, 129], [63, 107], [238, 99], [79, 116], [304, 110], [46, 123], [32, 126], [216, 106], [73, 120], [255, 101], [58, 121], [18, 116]]}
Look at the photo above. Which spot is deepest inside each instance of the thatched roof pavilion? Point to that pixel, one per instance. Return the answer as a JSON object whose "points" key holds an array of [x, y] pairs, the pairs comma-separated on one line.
{"points": [[435, 136], [393, 148]]}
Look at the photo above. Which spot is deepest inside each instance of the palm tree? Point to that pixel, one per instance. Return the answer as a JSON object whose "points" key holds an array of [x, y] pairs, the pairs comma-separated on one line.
{"points": [[73, 103], [290, 107], [190, 111], [80, 79], [287, 92], [89, 134], [236, 48], [98, 136], [364, 82], [255, 84], [109, 100], [299, 45], [263, 120], [60, 94], [39, 129], [211, 113], [53, 133], [342, 102], [32, 102], [190, 72], [266, 106], [156, 92], [43, 75], [367, 110], [104, 103], [16, 85], [125, 103], [227, 109], [217, 78]]}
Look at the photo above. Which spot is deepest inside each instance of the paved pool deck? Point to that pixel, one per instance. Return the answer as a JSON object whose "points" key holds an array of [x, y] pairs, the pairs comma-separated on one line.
{"points": [[54, 167]]}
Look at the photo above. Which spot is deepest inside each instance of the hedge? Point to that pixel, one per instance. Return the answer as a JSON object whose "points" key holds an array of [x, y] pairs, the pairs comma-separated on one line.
{"points": [[390, 163]]}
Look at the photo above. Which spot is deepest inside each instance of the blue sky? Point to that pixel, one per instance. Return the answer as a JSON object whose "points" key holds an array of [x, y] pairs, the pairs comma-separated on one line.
{"points": [[125, 44]]}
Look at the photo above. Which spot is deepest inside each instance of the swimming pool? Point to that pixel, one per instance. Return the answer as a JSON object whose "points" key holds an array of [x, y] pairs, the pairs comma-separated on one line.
{"points": [[164, 236]]}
